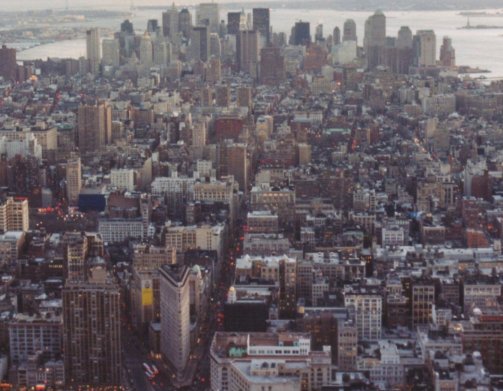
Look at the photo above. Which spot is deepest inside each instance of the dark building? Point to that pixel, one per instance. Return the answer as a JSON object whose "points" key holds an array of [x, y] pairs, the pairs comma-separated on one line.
{"points": [[91, 334], [200, 43], [233, 22], [262, 22], [246, 316], [185, 22], [301, 33], [127, 27], [8, 65]]}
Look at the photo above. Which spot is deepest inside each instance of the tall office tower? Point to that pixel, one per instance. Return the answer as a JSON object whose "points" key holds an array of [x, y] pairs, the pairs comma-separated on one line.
{"points": [[73, 179], [349, 31], [235, 158], [244, 97], [8, 63], [162, 52], [207, 14], [233, 22], [200, 43], [170, 23], [447, 53], [336, 37], [214, 70], [111, 52], [223, 95], [301, 33], [425, 48], [126, 39], [262, 23], [14, 214], [146, 50], [423, 300], [374, 39], [94, 123], [247, 52], [272, 66], [318, 35], [92, 332], [152, 26], [185, 23], [215, 46], [365, 305], [127, 27], [175, 315], [93, 46], [404, 54]]}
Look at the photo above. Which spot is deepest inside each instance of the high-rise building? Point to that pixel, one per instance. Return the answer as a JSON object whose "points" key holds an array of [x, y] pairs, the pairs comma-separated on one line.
{"points": [[247, 47], [92, 332], [111, 52], [152, 26], [374, 39], [301, 33], [73, 179], [272, 66], [14, 214], [146, 50], [403, 48], [223, 95], [336, 37], [262, 23], [365, 306], [94, 123], [214, 70], [349, 31], [93, 46], [185, 23], [200, 43], [318, 35], [244, 96], [425, 48], [175, 314], [234, 158], [8, 63], [170, 23], [234, 22], [447, 53], [215, 45], [207, 14], [162, 52]]}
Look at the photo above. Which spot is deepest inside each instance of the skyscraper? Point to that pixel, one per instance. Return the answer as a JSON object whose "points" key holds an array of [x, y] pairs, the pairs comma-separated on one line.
{"points": [[146, 50], [233, 22], [170, 21], [425, 48], [337, 36], [262, 22], [175, 314], [447, 53], [111, 52], [247, 51], [185, 23], [349, 31], [207, 14], [301, 33], [93, 46], [200, 43], [374, 40], [94, 123], [91, 332], [404, 55], [73, 179], [272, 66], [8, 63]]}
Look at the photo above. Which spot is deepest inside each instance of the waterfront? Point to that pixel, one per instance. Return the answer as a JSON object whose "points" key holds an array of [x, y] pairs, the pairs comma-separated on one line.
{"points": [[471, 45]]}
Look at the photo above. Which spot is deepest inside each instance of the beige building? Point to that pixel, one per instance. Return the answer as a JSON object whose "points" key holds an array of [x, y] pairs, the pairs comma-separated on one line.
{"points": [[73, 179], [14, 214]]}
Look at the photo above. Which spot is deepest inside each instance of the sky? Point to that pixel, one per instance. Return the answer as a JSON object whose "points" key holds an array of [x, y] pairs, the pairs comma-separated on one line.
{"points": [[24, 5]]}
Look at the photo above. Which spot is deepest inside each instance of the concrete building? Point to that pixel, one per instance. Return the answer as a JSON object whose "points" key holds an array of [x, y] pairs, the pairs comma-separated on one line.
{"points": [[94, 126], [93, 47], [14, 214], [365, 306], [73, 179]]}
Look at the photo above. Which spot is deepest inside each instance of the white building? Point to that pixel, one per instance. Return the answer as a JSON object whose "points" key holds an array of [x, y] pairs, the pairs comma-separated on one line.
{"points": [[365, 306], [119, 230], [123, 178]]}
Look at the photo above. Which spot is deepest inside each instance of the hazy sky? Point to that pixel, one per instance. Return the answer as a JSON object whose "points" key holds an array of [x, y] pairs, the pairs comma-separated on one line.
{"points": [[102, 4]]}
